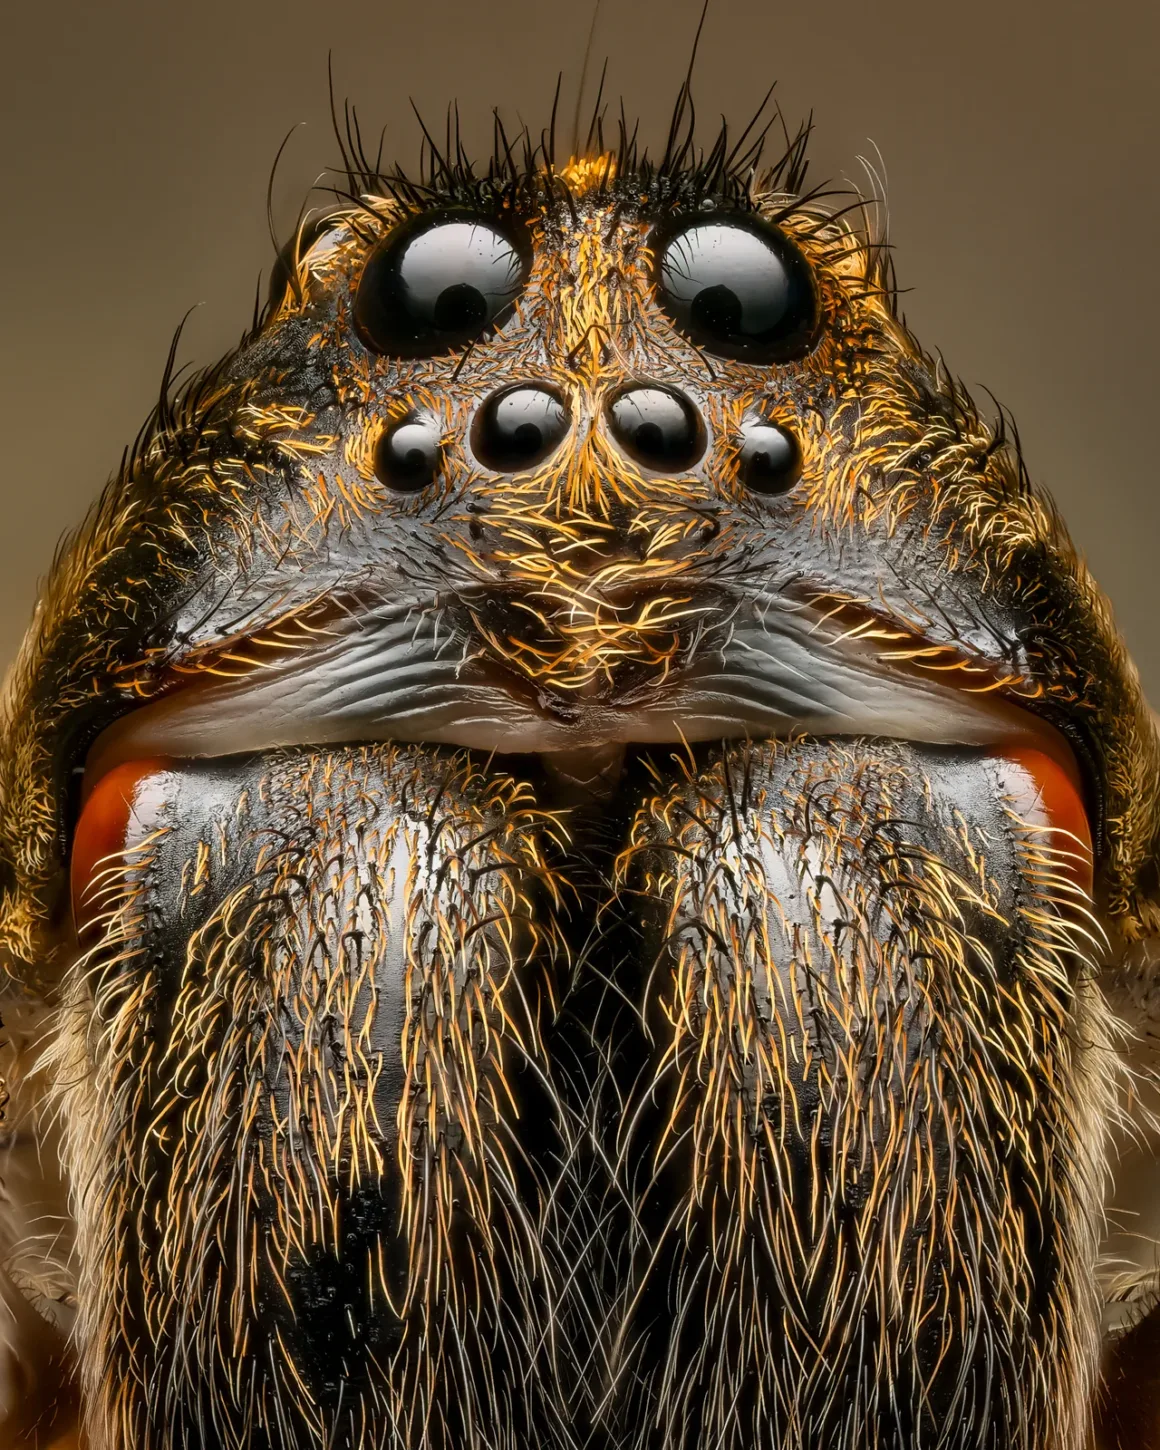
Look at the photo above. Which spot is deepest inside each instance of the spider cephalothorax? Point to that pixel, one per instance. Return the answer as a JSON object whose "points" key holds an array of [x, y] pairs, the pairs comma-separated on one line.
{"points": [[597, 799]]}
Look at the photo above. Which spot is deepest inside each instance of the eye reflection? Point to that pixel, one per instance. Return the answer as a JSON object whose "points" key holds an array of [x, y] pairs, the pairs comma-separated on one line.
{"points": [[436, 284], [409, 455], [739, 288], [769, 460], [658, 427], [518, 428]]}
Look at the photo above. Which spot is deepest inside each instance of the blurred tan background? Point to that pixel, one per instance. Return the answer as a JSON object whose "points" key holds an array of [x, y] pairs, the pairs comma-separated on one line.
{"points": [[1020, 139]]}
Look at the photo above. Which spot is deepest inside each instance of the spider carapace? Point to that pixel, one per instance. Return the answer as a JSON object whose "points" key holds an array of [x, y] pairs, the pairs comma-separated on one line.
{"points": [[579, 853]]}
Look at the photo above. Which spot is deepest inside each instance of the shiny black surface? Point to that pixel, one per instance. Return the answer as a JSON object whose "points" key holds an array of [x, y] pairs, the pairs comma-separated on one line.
{"points": [[518, 428], [437, 284], [738, 287], [658, 427], [409, 455], [769, 459]]}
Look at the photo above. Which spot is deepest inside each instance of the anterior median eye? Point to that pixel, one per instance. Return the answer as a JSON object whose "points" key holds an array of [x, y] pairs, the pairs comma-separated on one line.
{"points": [[518, 427], [738, 287], [436, 284]]}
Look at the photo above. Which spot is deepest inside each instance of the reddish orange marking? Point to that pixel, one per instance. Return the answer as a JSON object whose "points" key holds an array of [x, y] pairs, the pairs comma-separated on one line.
{"points": [[1047, 791], [104, 828]]}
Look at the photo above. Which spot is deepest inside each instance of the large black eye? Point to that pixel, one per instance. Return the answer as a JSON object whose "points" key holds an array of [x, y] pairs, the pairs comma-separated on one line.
{"points": [[437, 283], [738, 287]]}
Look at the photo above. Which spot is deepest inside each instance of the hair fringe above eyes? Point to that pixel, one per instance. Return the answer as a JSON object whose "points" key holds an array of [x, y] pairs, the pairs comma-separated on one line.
{"points": [[524, 169]]}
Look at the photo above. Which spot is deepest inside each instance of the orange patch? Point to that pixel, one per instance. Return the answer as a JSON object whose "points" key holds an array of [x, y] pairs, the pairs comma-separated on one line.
{"points": [[589, 173], [117, 813], [1046, 791]]}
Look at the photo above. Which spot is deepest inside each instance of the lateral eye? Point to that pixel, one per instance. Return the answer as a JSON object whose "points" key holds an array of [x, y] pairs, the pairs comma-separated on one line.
{"points": [[737, 287], [437, 283], [298, 246]]}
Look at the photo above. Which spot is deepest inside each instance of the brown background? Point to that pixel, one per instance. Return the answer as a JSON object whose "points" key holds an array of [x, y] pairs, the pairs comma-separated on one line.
{"points": [[1019, 136]]}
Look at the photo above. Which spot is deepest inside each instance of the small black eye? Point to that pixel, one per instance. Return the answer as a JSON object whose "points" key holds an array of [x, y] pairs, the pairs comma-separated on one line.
{"points": [[437, 283], [769, 460], [516, 429], [409, 455], [738, 287]]}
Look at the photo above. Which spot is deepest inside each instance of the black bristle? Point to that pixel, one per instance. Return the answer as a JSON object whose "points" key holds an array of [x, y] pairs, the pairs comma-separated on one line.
{"points": [[520, 168], [550, 144], [727, 169], [596, 124]]}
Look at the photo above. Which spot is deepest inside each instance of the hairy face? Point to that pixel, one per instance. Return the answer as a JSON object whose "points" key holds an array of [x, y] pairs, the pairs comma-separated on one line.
{"points": [[569, 805]]}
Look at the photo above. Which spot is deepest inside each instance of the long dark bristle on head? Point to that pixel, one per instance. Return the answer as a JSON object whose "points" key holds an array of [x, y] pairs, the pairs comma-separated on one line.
{"points": [[728, 169], [583, 81]]}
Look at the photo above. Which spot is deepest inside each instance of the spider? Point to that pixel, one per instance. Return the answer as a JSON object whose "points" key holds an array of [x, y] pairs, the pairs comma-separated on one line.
{"points": [[579, 860]]}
